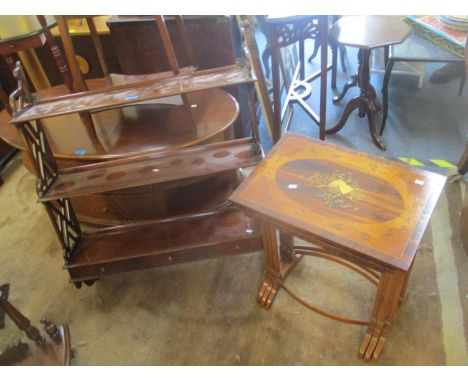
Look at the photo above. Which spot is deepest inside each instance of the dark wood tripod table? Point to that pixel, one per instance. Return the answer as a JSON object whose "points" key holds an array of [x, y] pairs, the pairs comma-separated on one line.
{"points": [[366, 33], [366, 213], [51, 350]]}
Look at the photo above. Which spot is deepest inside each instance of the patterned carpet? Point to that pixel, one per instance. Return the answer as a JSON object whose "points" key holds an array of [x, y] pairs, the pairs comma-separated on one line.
{"points": [[205, 313]]}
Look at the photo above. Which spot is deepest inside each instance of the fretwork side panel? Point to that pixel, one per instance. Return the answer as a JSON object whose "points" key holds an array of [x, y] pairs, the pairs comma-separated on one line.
{"points": [[60, 211], [40, 154], [66, 225]]}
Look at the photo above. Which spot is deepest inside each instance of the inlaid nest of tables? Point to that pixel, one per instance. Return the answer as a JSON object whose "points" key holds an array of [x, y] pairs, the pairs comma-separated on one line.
{"points": [[363, 212]]}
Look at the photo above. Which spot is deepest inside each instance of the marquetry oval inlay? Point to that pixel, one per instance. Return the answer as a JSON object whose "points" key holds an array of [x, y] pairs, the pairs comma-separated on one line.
{"points": [[338, 192]]}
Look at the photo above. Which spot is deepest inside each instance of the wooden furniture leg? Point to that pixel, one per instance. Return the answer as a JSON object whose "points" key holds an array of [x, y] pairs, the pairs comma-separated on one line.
{"points": [[57, 54], [342, 50], [405, 285], [464, 220], [323, 31], [168, 48], [280, 260], [79, 84], [52, 353], [350, 106], [286, 247], [186, 40], [348, 85], [260, 85], [384, 311], [388, 72], [269, 286], [462, 167], [97, 45], [275, 52], [366, 101], [22, 322], [334, 49]]}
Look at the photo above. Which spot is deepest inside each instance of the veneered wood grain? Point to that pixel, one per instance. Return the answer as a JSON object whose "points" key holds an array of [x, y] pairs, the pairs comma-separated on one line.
{"points": [[140, 246], [156, 168], [365, 205], [155, 202]]}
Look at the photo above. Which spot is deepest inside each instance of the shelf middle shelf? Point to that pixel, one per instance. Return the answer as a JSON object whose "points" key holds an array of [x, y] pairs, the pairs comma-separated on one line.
{"points": [[156, 168]]}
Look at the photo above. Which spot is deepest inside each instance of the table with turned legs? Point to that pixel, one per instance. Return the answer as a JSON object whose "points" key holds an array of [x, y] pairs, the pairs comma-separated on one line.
{"points": [[365, 33]]}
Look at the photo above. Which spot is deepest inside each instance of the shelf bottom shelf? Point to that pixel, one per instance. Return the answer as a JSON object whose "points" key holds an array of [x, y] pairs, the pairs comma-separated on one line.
{"points": [[133, 247]]}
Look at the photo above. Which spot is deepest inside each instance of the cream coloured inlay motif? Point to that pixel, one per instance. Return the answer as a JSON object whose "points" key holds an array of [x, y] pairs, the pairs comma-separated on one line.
{"points": [[341, 190]]}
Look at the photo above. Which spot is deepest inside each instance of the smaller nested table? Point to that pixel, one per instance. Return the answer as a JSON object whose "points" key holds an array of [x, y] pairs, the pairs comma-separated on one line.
{"points": [[366, 213], [366, 33]]}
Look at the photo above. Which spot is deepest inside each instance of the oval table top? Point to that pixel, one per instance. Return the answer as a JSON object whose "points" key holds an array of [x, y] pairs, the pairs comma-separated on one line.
{"points": [[136, 129]]}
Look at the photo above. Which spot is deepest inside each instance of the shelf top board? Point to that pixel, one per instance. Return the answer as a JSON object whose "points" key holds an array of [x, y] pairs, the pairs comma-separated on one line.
{"points": [[133, 93], [144, 128]]}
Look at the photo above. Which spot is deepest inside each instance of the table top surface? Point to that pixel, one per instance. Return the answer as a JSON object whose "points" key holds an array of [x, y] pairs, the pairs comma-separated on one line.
{"points": [[364, 205], [13, 28], [370, 32]]}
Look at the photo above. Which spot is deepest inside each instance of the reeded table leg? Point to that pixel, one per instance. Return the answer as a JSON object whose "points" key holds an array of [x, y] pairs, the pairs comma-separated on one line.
{"points": [[386, 304], [279, 261], [269, 286]]}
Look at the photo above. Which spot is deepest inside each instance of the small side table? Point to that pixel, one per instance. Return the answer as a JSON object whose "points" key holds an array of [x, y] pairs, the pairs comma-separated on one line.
{"points": [[51, 350], [36, 34], [366, 213], [285, 31], [366, 33]]}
